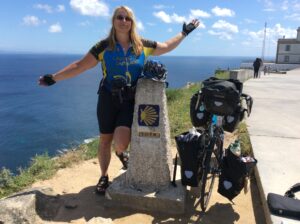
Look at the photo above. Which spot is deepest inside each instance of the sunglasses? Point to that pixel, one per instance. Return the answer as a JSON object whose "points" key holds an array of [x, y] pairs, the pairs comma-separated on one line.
{"points": [[121, 18]]}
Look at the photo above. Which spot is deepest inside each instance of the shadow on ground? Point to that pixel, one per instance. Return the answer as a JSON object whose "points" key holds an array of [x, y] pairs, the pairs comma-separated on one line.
{"points": [[86, 204]]}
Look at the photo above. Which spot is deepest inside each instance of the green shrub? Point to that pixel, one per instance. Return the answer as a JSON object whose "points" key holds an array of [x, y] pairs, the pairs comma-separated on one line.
{"points": [[244, 138], [91, 149], [6, 178], [222, 74], [173, 94]]}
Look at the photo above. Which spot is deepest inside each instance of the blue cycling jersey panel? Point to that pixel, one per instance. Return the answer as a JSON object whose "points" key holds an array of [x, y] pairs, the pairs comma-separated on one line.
{"points": [[119, 64]]}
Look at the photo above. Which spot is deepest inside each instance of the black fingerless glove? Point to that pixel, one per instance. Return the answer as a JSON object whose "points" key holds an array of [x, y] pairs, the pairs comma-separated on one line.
{"points": [[48, 79], [187, 28]]}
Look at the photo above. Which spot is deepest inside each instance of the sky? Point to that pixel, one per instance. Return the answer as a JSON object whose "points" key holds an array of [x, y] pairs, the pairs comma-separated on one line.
{"points": [[227, 27]]}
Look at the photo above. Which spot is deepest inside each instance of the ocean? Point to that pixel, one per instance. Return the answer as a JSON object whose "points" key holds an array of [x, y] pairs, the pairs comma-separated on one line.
{"points": [[35, 119]]}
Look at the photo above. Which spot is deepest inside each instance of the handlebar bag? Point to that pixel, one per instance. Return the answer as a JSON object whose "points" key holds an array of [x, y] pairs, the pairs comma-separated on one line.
{"points": [[221, 97]]}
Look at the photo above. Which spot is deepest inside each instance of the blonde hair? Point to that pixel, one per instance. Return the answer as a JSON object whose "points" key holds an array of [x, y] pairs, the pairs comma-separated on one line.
{"points": [[133, 35]]}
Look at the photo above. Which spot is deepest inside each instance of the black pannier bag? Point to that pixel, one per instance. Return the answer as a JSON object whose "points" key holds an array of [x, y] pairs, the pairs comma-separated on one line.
{"points": [[220, 96], [249, 102], [190, 148], [199, 116], [287, 205], [233, 173], [231, 121], [237, 83]]}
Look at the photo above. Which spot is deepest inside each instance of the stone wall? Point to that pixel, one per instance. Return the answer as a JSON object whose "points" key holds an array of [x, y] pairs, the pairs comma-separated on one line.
{"points": [[241, 74]]}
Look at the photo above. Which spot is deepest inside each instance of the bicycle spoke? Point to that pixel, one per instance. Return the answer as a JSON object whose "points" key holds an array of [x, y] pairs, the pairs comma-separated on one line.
{"points": [[211, 169]]}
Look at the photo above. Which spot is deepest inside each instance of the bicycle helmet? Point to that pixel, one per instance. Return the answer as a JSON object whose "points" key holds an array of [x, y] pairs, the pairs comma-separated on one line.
{"points": [[155, 70]]}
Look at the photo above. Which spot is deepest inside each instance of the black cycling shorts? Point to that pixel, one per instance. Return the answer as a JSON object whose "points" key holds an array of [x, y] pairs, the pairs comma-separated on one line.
{"points": [[111, 114]]}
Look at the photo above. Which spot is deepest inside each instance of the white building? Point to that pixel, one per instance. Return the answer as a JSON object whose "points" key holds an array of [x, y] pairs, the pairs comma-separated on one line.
{"points": [[288, 50]]}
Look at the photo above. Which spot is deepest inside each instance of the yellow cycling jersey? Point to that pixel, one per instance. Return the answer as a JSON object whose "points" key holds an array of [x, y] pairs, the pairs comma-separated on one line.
{"points": [[116, 63]]}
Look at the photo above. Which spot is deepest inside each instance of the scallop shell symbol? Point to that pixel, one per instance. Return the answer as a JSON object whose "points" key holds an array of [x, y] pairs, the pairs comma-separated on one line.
{"points": [[148, 115]]}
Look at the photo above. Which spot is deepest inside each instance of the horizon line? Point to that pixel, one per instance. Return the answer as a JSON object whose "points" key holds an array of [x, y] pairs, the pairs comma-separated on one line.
{"points": [[60, 53]]}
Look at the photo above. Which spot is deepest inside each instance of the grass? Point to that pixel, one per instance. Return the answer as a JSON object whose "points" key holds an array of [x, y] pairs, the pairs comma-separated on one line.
{"points": [[244, 138], [222, 74], [179, 108], [44, 167]]}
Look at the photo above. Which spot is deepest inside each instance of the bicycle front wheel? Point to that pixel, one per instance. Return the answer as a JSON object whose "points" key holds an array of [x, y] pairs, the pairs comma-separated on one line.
{"points": [[210, 171]]}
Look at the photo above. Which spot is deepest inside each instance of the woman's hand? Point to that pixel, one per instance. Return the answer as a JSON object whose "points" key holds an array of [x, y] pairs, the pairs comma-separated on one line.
{"points": [[46, 80], [76, 68], [188, 28]]}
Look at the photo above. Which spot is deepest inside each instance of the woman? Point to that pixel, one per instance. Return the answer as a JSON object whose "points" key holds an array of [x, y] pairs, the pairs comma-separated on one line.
{"points": [[122, 55]]}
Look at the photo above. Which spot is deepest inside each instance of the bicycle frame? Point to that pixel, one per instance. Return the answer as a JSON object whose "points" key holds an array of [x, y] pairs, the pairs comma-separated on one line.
{"points": [[217, 133], [211, 164]]}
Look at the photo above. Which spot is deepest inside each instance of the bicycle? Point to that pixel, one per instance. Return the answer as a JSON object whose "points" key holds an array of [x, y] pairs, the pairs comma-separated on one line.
{"points": [[201, 150], [212, 158], [214, 152]]}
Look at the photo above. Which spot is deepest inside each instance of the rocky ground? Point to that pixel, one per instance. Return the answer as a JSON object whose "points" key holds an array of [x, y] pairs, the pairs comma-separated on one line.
{"points": [[76, 187]]}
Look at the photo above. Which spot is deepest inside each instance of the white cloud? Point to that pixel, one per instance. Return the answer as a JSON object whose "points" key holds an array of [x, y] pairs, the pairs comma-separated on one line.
{"points": [[295, 5], [199, 13], [249, 21], [224, 30], [246, 43], [85, 23], [151, 24], [55, 28], [280, 31], [90, 7], [162, 6], [227, 27], [217, 11], [269, 10], [170, 30], [60, 8], [285, 5], [201, 25], [253, 35], [32, 21], [140, 26], [269, 6], [49, 9], [221, 34], [272, 35], [294, 17], [44, 7], [163, 16], [174, 18], [178, 19]]}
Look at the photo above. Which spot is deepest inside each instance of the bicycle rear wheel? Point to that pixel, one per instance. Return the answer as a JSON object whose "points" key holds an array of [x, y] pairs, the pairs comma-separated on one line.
{"points": [[210, 170]]}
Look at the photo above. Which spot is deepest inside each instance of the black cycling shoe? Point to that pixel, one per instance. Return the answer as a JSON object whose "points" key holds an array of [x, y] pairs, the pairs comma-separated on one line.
{"points": [[102, 185], [124, 158]]}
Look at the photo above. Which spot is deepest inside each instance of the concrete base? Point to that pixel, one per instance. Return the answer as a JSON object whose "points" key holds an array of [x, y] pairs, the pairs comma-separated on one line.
{"points": [[170, 200], [241, 74]]}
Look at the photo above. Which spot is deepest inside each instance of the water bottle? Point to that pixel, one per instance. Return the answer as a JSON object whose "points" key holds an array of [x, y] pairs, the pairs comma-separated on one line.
{"points": [[235, 148], [219, 121]]}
